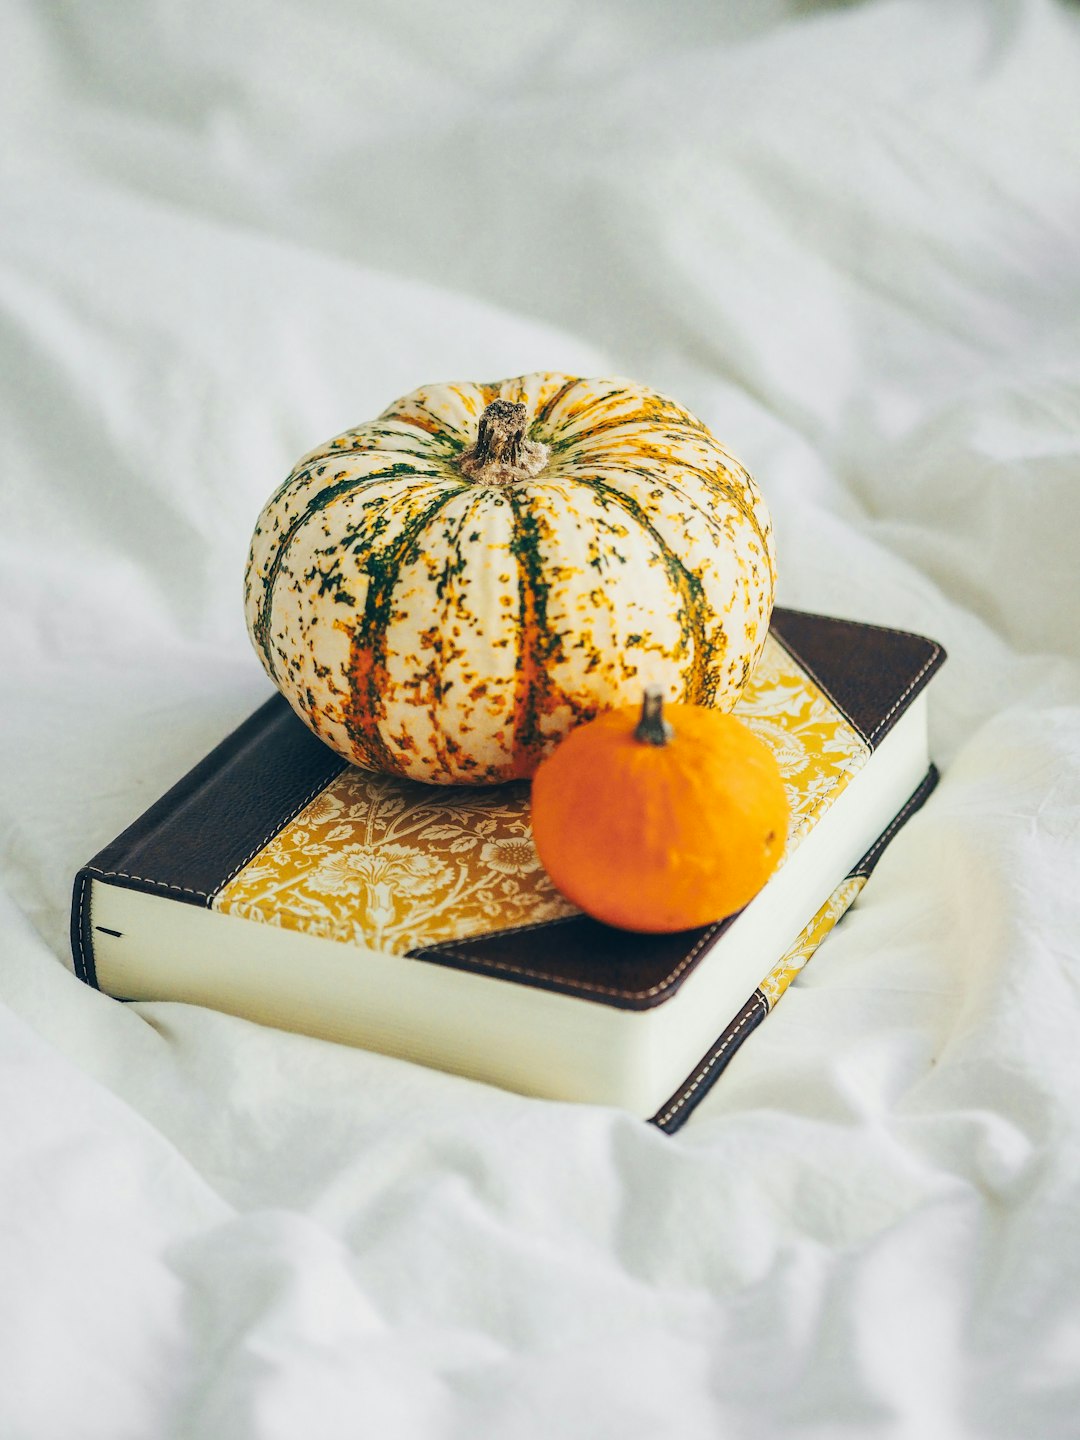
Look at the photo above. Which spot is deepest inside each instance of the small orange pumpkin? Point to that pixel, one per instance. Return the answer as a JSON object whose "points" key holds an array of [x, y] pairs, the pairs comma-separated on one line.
{"points": [[659, 821]]}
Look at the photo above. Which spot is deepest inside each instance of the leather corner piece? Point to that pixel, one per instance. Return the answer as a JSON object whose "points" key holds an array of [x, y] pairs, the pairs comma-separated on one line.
{"points": [[566, 955], [192, 841], [869, 672]]}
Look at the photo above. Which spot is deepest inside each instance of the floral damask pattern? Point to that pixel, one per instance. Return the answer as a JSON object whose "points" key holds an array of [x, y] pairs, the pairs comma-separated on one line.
{"points": [[394, 864], [816, 748]]}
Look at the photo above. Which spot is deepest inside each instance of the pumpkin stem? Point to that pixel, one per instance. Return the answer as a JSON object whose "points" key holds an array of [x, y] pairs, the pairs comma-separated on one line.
{"points": [[502, 454], [652, 728]]}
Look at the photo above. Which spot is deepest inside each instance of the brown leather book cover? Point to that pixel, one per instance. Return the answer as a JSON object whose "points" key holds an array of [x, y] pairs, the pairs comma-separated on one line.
{"points": [[273, 827]]}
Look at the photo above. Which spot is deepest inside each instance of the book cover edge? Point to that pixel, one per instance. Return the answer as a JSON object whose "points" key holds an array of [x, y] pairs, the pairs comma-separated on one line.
{"points": [[110, 864], [933, 656]]}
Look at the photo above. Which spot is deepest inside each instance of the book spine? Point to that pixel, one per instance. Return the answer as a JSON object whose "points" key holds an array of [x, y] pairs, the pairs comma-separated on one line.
{"points": [[82, 939]]}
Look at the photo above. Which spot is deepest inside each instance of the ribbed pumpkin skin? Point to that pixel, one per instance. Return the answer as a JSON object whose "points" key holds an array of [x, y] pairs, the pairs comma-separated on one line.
{"points": [[451, 630]]}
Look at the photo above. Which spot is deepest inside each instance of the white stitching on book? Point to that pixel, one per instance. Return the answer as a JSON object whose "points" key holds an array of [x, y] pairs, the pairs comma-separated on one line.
{"points": [[857, 625], [890, 713], [187, 889], [84, 968], [142, 879], [583, 984], [323, 785], [760, 1004]]}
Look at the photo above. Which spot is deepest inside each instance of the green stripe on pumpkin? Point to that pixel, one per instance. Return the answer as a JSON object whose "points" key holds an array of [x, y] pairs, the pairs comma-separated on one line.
{"points": [[319, 502], [366, 707], [704, 662]]}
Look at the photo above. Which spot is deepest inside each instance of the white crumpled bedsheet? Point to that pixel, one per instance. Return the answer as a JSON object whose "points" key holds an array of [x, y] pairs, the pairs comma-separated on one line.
{"points": [[849, 237]]}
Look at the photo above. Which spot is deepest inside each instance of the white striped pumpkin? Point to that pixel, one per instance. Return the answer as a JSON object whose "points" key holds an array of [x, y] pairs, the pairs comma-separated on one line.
{"points": [[444, 610]]}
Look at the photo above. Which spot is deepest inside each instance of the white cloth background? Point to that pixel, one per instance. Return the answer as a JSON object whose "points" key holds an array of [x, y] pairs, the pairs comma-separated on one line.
{"points": [[845, 235]]}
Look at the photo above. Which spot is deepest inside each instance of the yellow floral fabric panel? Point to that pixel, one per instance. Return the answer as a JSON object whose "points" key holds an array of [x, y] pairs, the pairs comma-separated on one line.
{"points": [[395, 865], [817, 749], [782, 974]]}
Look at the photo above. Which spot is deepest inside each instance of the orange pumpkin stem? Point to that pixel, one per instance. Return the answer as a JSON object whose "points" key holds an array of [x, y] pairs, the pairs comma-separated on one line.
{"points": [[652, 728], [502, 454]]}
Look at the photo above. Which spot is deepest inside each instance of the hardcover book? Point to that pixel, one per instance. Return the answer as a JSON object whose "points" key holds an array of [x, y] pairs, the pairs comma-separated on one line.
{"points": [[278, 883]]}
